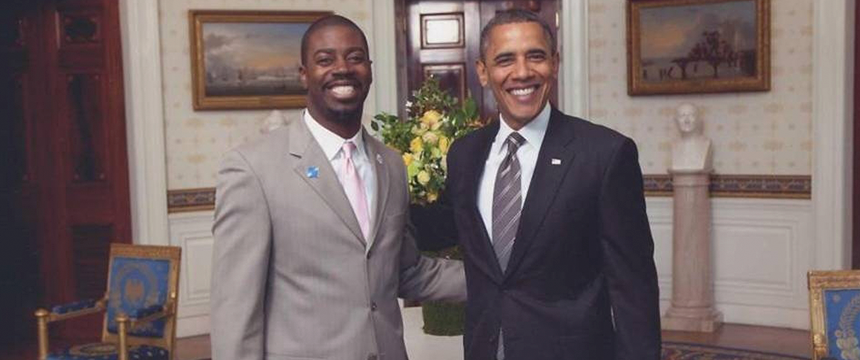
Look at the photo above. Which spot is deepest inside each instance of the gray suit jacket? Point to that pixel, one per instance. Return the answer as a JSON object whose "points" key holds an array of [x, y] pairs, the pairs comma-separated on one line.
{"points": [[291, 278]]}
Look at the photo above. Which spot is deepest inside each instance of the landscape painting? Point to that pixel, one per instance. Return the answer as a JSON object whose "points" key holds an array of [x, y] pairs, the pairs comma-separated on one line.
{"points": [[248, 60], [695, 46]]}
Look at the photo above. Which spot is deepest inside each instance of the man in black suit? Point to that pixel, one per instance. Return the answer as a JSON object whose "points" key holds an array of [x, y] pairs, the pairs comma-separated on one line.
{"points": [[550, 212]]}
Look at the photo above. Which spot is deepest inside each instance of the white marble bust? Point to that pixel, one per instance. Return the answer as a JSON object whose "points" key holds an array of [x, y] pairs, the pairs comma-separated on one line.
{"points": [[692, 151], [275, 120]]}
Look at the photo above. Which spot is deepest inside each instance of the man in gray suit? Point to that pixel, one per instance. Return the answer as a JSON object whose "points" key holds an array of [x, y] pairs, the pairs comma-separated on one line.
{"points": [[312, 246]]}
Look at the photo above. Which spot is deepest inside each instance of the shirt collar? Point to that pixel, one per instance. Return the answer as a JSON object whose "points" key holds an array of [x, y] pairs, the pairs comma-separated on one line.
{"points": [[330, 142], [533, 132]]}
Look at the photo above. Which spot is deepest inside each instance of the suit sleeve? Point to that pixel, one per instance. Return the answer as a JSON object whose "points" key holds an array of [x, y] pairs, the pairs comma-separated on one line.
{"points": [[629, 257], [242, 231], [423, 278]]}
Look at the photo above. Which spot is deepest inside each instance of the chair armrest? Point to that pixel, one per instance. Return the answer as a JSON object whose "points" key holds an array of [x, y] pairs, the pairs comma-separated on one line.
{"points": [[149, 314], [76, 309]]}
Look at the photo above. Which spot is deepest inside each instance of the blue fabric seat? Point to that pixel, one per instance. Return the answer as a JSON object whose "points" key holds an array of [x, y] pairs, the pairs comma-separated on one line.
{"points": [[834, 305], [107, 351], [139, 307]]}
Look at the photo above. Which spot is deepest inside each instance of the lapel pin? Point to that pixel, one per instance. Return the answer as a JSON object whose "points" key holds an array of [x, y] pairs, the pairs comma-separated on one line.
{"points": [[556, 161], [313, 172], [379, 158]]}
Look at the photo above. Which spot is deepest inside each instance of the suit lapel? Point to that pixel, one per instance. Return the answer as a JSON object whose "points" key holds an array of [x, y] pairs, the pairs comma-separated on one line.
{"points": [[374, 149], [486, 256], [310, 160], [553, 160]]}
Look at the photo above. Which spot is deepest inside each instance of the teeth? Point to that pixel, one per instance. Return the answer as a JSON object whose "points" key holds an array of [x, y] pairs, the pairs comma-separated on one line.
{"points": [[343, 90], [522, 92]]}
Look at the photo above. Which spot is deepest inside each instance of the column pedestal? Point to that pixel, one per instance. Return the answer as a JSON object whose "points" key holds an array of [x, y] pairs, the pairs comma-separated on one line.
{"points": [[692, 307]]}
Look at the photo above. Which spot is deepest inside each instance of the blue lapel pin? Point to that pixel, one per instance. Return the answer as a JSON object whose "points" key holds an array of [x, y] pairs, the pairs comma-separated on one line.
{"points": [[313, 172]]}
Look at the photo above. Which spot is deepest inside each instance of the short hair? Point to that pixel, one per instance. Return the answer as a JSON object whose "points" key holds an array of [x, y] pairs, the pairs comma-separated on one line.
{"points": [[514, 16], [326, 21]]}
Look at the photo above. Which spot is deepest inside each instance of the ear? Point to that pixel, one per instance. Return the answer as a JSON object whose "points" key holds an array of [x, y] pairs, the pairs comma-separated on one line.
{"points": [[303, 76], [555, 60], [483, 76]]}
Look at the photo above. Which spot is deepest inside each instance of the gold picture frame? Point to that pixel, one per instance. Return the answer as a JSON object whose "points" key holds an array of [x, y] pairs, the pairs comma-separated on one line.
{"points": [[841, 282], [247, 59], [697, 46]]}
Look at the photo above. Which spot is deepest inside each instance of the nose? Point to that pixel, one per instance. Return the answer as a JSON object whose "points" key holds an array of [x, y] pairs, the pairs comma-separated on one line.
{"points": [[521, 69], [341, 67]]}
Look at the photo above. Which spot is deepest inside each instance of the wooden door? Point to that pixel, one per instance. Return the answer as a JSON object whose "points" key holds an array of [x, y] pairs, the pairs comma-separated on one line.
{"points": [[65, 133], [443, 40]]}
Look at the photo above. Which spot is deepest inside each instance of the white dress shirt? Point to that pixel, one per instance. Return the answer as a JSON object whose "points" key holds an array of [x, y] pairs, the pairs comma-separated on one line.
{"points": [[332, 146], [527, 155]]}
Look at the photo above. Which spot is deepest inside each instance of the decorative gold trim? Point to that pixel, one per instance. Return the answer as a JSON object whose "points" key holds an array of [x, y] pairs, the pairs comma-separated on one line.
{"points": [[171, 253], [726, 186], [635, 86], [188, 200], [196, 18], [741, 186], [818, 281]]}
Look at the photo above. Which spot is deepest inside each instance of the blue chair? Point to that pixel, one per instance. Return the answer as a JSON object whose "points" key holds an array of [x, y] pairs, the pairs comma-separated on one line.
{"points": [[139, 305], [834, 306]]}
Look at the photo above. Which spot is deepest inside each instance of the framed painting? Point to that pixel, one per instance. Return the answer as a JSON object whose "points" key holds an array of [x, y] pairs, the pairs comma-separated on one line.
{"points": [[247, 59], [697, 46]]}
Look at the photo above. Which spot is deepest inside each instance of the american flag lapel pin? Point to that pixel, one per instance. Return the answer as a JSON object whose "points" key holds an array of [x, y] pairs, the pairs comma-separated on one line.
{"points": [[313, 172], [556, 161]]}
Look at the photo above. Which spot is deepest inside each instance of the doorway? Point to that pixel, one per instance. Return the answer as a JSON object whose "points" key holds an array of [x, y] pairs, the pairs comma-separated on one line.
{"points": [[64, 191], [442, 38]]}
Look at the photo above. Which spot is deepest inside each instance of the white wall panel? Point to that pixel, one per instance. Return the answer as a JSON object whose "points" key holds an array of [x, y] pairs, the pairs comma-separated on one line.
{"points": [[193, 232], [761, 252]]}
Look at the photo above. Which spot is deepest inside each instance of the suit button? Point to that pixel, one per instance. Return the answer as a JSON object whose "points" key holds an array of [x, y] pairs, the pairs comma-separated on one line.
{"points": [[371, 357], [373, 306]]}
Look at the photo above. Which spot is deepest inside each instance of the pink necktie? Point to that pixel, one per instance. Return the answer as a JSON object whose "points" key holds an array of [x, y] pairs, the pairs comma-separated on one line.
{"points": [[355, 189]]}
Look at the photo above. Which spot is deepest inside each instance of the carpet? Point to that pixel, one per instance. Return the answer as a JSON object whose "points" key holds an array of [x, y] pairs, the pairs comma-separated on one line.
{"points": [[683, 351]]}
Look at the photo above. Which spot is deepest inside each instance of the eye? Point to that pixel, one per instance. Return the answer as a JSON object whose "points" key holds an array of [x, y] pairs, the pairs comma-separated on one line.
{"points": [[356, 58], [324, 61], [537, 57], [504, 60]]}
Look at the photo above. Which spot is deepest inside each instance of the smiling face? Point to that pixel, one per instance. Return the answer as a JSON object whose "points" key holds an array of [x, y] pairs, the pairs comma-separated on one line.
{"points": [[520, 67], [336, 74]]}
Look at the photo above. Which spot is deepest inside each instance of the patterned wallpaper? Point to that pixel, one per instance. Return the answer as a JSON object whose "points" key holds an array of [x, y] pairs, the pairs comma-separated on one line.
{"points": [[753, 133], [196, 140], [767, 133]]}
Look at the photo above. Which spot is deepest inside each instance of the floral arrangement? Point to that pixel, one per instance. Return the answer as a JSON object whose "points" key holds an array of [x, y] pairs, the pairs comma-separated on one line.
{"points": [[434, 120]]}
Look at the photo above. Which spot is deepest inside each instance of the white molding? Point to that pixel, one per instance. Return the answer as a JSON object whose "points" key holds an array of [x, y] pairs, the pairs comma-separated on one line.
{"points": [[573, 87], [384, 56], [192, 231], [762, 250], [833, 62], [141, 55]]}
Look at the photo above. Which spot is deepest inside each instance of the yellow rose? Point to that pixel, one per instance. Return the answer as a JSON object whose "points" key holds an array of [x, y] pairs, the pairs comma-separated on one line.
{"points": [[420, 129], [431, 117], [423, 177], [436, 125], [416, 145], [407, 159], [444, 163], [431, 197], [443, 144], [430, 138]]}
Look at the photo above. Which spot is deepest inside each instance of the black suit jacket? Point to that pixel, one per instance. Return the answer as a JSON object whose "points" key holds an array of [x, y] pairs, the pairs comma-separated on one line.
{"points": [[581, 281]]}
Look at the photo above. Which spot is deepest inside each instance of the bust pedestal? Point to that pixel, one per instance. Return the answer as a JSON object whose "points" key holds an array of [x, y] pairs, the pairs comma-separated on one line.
{"points": [[692, 307]]}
